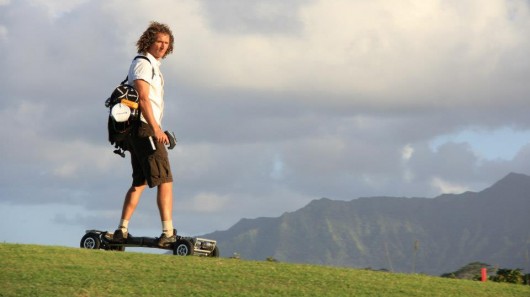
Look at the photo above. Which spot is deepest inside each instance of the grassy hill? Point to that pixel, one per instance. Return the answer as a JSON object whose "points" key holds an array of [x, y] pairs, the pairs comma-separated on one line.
{"points": [[30, 270]]}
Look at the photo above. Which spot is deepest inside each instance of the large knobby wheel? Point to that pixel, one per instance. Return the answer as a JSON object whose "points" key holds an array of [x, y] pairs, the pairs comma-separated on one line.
{"points": [[183, 247], [90, 241], [215, 252]]}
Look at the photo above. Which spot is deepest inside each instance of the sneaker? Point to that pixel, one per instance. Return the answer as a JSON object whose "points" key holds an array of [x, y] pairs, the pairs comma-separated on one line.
{"points": [[119, 236], [165, 241]]}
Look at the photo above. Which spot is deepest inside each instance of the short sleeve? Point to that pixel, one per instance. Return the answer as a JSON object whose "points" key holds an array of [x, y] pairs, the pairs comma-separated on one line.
{"points": [[140, 69]]}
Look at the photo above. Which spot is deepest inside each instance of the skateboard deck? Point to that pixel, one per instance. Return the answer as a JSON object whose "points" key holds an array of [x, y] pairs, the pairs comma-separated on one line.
{"points": [[184, 246]]}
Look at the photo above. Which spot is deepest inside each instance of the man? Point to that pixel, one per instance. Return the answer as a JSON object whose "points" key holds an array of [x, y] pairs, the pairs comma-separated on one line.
{"points": [[150, 167]]}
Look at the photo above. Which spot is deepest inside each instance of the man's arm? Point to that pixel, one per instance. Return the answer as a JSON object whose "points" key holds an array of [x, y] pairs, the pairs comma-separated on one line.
{"points": [[142, 87]]}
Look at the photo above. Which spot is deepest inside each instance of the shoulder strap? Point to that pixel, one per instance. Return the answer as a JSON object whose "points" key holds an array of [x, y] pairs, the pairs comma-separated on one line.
{"points": [[140, 57]]}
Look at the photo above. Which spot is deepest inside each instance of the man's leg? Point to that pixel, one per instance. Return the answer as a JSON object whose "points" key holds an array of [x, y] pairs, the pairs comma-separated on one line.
{"points": [[131, 201], [129, 205], [165, 206]]}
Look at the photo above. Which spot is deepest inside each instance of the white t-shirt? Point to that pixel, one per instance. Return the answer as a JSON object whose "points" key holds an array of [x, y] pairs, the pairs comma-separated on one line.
{"points": [[142, 69]]}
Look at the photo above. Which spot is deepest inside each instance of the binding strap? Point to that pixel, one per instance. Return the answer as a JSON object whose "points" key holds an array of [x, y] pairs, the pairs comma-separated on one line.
{"points": [[139, 57]]}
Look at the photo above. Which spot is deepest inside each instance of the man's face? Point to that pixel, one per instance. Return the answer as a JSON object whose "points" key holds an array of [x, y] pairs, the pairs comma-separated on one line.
{"points": [[159, 47]]}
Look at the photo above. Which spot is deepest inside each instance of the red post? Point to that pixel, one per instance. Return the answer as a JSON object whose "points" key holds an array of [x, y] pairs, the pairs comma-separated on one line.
{"points": [[484, 272]]}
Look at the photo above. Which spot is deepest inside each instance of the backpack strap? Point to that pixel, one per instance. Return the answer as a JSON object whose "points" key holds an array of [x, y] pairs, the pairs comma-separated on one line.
{"points": [[139, 57]]}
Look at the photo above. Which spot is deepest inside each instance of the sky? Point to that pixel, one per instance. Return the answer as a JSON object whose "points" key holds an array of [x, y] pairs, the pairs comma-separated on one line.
{"points": [[274, 104]]}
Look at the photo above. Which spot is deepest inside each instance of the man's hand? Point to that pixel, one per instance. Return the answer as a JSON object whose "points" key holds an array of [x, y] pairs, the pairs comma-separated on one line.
{"points": [[161, 137]]}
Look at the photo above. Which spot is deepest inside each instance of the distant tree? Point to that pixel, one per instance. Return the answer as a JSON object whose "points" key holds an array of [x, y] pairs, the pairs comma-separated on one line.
{"points": [[513, 276], [449, 275], [526, 279], [471, 271], [271, 259]]}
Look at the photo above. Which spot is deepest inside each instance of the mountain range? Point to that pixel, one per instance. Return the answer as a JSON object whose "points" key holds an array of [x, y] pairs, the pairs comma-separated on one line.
{"points": [[411, 235]]}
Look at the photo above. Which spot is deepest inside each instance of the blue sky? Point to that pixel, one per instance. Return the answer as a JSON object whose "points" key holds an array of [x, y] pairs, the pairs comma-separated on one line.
{"points": [[274, 103], [501, 143]]}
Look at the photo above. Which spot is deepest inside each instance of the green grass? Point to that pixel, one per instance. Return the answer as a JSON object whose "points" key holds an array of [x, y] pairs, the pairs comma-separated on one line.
{"points": [[30, 270]]}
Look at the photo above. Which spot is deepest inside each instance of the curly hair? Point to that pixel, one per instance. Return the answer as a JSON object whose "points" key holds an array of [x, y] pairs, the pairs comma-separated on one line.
{"points": [[149, 37]]}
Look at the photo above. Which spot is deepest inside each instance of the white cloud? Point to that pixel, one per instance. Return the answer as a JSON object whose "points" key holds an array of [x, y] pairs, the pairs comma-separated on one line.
{"points": [[56, 8], [445, 187], [3, 34], [273, 104], [207, 203], [422, 53], [406, 152]]}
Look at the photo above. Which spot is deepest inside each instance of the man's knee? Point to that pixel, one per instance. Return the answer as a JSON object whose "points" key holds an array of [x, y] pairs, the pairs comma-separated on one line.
{"points": [[137, 188], [165, 188]]}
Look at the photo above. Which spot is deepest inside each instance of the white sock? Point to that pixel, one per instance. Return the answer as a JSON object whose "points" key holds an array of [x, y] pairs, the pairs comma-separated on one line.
{"points": [[167, 227], [124, 225]]}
